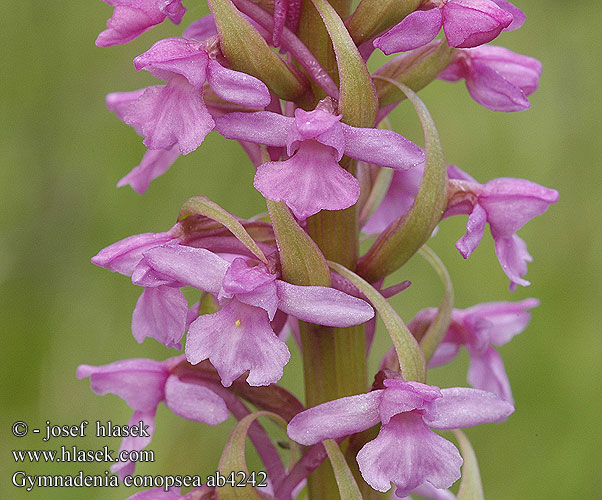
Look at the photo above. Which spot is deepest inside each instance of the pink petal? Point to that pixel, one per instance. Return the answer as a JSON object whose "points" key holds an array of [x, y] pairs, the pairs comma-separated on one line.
{"points": [[127, 23], [511, 203], [507, 318], [464, 407], [487, 372], [124, 255], [427, 490], [382, 147], [474, 232], [401, 396], [445, 353], [321, 305], [334, 419], [135, 443], [236, 339], [468, 23], [173, 9], [139, 382], [310, 181], [261, 127], [155, 162], [194, 402], [513, 256], [160, 313], [399, 198], [490, 89], [195, 267], [201, 29], [119, 102], [251, 285], [169, 115], [237, 87], [518, 16], [407, 453], [180, 56], [416, 30]]}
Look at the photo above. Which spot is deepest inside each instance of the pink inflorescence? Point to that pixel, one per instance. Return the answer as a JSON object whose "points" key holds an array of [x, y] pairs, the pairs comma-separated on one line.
{"points": [[333, 172]]}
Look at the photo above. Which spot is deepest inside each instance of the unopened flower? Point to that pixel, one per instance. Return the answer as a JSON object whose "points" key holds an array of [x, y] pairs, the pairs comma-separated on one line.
{"points": [[506, 204], [143, 384], [466, 23], [495, 77], [131, 18], [312, 179], [406, 451], [479, 329], [239, 337], [175, 114]]}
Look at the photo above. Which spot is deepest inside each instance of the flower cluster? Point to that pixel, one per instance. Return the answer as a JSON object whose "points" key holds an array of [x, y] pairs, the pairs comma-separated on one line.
{"points": [[288, 80]]}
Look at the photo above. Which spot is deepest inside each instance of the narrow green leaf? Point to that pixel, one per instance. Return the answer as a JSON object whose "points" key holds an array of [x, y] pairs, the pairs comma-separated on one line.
{"points": [[402, 239], [411, 359], [438, 328], [233, 459], [247, 51], [357, 98], [416, 69], [375, 16], [201, 205], [471, 487], [301, 259], [345, 481]]}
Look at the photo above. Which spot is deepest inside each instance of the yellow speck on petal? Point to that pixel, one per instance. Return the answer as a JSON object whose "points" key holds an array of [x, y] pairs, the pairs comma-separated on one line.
{"points": [[237, 322]]}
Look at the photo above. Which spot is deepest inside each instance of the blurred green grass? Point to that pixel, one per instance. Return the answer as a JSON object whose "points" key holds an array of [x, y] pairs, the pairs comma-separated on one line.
{"points": [[62, 154]]}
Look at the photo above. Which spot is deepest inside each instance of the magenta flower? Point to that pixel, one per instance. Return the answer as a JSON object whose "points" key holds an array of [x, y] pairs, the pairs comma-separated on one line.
{"points": [[143, 384], [496, 78], [160, 311], [311, 179], [479, 329], [155, 162], [406, 452], [176, 113], [506, 204], [239, 337], [131, 18], [466, 23]]}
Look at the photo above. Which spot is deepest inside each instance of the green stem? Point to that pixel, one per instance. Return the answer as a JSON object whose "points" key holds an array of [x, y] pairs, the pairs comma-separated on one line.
{"points": [[334, 359]]}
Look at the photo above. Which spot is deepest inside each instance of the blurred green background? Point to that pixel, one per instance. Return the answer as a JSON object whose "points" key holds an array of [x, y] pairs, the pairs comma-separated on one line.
{"points": [[63, 152]]}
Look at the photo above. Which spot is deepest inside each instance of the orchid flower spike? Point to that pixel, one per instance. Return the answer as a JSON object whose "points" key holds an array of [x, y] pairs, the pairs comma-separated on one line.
{"points": [[239, 337], [175, 114], [406, 452], [495, 77], [143, 384], [507, 205], [311, 179], [131, 18], [479, 329], [466, 23]]}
